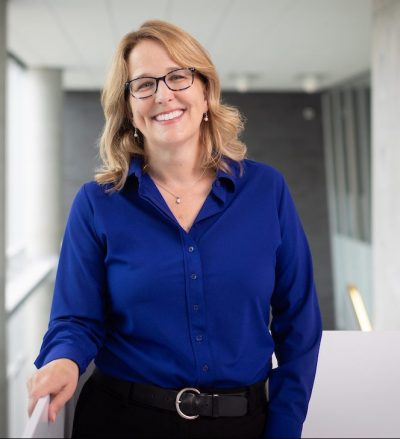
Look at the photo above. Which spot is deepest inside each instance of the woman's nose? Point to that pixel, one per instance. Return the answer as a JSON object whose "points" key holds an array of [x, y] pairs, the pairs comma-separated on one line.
{"points": [[163, 93]]}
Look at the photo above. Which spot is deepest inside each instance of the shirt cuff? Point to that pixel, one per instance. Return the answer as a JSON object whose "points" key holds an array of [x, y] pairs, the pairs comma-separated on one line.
{"points": [[63, 351], [281, 426]]}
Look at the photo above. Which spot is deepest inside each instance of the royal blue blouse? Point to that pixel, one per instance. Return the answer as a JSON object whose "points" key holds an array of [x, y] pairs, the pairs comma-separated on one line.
{"points": [[152, 303]]}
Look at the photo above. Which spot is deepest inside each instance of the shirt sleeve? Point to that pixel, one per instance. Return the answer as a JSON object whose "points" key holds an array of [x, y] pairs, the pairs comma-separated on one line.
{"points": [[76, 327], [296, 327]]}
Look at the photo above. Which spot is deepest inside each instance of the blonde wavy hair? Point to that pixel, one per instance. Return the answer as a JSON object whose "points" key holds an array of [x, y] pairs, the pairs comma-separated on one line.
{"points": [[219, 136]]}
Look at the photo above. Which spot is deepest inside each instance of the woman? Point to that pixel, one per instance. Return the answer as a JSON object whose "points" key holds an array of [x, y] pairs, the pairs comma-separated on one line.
{"points": [[171, 262]]}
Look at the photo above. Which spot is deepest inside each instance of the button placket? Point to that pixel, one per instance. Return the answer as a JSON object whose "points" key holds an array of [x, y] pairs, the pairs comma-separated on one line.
{"points": [[197, 308]]}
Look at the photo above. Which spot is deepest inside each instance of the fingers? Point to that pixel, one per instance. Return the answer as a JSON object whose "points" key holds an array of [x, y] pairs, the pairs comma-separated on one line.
{"points": [[58, 402], [34, 393], [31, 406], [31, 400], [57, 379], [38, 386]]}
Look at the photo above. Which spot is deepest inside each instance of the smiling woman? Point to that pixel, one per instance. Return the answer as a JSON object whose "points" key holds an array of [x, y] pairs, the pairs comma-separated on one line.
{"points": [[157, 43], [170, 263]]}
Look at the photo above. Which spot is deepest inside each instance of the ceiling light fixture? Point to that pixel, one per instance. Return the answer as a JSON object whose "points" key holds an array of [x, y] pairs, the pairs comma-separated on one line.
{"points": [[310, 82]]}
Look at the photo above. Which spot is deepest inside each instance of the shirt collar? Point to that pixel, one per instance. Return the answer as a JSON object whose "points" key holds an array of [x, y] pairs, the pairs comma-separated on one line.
{"points": [[135, 166], [231, 179]]}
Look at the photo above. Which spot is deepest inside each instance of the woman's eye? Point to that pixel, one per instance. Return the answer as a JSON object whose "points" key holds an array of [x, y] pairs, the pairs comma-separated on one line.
{"points": [[176, 77], [144, 85]]}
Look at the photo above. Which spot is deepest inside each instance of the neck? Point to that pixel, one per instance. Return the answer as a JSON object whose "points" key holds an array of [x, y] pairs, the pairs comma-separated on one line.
{"points": [[174, 167]]}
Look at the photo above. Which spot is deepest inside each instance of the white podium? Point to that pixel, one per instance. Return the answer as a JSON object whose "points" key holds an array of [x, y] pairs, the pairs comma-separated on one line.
{"points": [[357, 387]]}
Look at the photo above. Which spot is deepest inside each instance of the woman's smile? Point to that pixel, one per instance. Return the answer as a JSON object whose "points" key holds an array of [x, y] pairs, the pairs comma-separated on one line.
{"points": [[168, 117]]}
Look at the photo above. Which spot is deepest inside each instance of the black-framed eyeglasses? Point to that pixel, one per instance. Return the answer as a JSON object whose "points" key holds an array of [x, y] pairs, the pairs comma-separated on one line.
{"points": [[146, 86]]}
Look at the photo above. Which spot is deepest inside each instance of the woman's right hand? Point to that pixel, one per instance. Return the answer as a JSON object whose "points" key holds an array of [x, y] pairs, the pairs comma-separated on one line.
{"points": [[59, 378]]}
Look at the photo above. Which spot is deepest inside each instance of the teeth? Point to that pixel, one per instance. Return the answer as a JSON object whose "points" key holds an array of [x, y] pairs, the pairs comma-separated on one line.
{"points": [[169, 116]]}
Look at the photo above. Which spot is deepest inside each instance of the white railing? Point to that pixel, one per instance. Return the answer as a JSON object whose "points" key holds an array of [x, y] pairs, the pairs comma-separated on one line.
{"points": [[39, 426]]}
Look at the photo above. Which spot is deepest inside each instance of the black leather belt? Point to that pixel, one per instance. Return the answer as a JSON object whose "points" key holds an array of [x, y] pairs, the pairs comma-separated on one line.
{"points": [[189, 402]]}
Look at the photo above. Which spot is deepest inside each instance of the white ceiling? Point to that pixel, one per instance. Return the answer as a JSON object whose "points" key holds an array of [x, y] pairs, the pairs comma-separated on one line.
{"points": [[270, 44]]}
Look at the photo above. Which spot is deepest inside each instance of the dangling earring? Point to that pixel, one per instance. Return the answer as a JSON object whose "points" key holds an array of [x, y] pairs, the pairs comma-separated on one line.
{"points": [[205, 117], [135, 133]]}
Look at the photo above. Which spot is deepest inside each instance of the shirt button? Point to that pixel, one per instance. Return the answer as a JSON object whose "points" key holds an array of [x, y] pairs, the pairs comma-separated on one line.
{"points": [[191, 248], [205, 367], [193, 276], [196, 307], [199, 338]]}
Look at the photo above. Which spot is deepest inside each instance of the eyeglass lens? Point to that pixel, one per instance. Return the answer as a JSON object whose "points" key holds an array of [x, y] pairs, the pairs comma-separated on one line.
{"points": [[175, 80]]}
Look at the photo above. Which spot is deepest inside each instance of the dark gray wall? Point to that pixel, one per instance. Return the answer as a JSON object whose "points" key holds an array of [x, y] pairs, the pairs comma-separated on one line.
{"points": [[83, 122], [276, 133]]}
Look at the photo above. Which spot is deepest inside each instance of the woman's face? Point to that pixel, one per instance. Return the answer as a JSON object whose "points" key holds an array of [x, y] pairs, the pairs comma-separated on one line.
{"points": [[149, 58]]}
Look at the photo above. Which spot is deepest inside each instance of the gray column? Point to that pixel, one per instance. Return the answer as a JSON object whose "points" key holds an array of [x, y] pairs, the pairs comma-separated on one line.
{"points": [[386, 163], [3, 349], [43, 130]]}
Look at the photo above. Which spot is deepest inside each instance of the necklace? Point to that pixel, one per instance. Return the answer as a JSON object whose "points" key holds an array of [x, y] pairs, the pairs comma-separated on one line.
{"points": [[178, 198]]}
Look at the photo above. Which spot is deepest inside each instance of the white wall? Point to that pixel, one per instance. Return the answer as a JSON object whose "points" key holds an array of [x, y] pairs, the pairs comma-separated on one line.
{"points": [[386, 163], [3, 359]]}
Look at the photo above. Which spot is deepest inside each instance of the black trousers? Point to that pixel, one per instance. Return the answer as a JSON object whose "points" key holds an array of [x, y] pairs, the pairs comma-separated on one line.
{"points": [[100, 413]]}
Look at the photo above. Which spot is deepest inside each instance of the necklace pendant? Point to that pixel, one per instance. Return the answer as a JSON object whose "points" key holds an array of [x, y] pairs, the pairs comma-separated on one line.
{"points": [[178, 200]]}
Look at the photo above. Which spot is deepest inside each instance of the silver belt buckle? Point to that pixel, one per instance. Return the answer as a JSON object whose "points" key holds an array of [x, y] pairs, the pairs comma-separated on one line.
{"points": [[178, 401]]}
